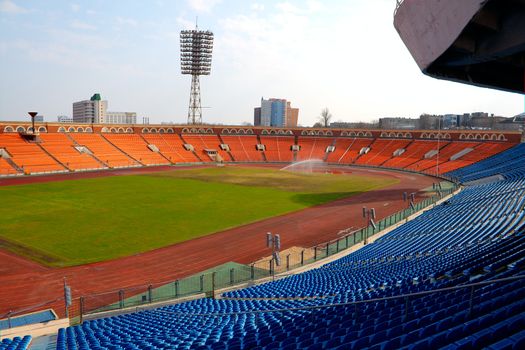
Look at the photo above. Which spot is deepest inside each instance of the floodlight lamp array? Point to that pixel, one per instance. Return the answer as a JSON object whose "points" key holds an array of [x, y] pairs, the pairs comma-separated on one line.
{"points": [[196, 48]]}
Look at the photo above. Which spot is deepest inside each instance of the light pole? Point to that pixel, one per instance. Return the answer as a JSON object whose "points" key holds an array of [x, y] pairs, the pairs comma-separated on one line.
{"points": [[33, 115], [369, 215], [274, 242]]}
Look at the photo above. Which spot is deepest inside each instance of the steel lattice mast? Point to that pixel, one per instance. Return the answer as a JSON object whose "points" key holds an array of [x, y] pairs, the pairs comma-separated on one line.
{"points": [[195, 57]]}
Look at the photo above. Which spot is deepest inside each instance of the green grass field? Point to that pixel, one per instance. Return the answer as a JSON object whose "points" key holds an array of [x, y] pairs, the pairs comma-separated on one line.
{"points": [[80, 221]]}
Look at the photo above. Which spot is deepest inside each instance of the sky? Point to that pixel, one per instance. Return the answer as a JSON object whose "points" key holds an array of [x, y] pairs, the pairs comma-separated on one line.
{"points": [[341, 54]]}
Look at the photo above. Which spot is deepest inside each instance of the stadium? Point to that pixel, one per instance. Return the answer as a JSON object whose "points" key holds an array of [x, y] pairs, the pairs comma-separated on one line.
{"points": [[241, 237]]}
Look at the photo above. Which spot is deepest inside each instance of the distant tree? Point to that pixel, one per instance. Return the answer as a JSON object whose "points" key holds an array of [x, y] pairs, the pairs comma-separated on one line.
{"points": [[325, 117], [318, 125]]}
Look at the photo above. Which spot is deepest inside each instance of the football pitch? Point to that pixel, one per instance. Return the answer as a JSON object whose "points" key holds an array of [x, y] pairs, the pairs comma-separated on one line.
{"points": [[82, 221]]}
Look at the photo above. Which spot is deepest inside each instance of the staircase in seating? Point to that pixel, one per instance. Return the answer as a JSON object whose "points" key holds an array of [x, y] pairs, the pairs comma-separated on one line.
{"points": [[159, 152], [91, 154]]}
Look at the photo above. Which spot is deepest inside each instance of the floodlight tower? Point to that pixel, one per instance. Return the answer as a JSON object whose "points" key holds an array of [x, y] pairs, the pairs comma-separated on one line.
{"points": [[195, 59]]}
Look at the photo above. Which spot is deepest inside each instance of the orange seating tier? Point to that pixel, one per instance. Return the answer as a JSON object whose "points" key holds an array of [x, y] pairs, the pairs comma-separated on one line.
{"points": [[27, 155], [341, 145], [6, 168], [313, 147], [57, 151], [481, 151], [135, 146], [171, 146], [352, 152], [278, 148], [62, 148], [201, 143], [103, 150], [452, 148], [380, 151], [243, 148], [413, 153]]}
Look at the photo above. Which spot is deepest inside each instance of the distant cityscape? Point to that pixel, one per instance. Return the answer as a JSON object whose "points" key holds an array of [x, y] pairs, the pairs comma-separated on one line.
{"points": [[278, 112], [476, 120]]}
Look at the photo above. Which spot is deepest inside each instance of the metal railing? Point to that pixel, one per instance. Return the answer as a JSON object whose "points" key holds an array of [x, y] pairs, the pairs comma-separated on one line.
{"points": [[471, 286]]}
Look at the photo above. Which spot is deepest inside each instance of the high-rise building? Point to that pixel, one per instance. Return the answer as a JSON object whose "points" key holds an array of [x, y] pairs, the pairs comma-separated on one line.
{"points": [[90, 111], [275, 112], [95, 111]]}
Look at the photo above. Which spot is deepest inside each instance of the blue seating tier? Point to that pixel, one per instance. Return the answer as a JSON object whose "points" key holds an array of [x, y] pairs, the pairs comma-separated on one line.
{"points": [[405, 290], [16, 343]]}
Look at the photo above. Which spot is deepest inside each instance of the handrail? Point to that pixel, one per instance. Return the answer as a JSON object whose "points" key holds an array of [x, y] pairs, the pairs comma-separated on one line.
{"points": [[311, 307]]}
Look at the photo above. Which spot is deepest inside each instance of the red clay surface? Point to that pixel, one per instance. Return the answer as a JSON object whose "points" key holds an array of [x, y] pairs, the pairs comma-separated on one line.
{"points": [[26, 285]]}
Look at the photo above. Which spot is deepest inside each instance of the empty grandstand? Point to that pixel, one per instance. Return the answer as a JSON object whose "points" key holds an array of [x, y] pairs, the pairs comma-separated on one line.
{"points": [[453, 277], [56, 149]]}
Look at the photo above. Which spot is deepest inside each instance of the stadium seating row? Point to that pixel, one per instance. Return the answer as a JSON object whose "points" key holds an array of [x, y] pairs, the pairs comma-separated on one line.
{"points": [[405, 290], [60, 152], [16, 343]]}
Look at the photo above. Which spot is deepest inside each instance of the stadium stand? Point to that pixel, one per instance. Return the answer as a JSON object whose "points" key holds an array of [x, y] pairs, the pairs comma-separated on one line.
{"points": [[278, 148], [104, 150], [508, 164], [453, 277], [28, 156], [63, 149], [6, 168], [136, 147], [381, 150], [352, 152], [313, 147], [204, 143], [243, 148], [340, 147], [16, 343], [170, 146], [481, 151], [445, 154], [415, 152]]}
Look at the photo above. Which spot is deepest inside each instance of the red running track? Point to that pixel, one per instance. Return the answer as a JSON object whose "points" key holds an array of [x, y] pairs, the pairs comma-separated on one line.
{"points": [[26, 284]]}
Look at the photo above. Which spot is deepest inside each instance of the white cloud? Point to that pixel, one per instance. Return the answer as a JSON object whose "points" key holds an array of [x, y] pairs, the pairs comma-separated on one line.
{"points": [[9, 6], [287, 7], [203, 5], [184, 23], [127, 21], [82, 25], [75, 7], [257, 7]]}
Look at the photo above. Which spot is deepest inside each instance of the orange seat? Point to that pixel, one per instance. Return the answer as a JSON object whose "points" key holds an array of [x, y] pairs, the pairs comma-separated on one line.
{"points": [[28, 155], [104, 150], [62, 148], [6, 168], [171, 146], [415, 152], [201, 143], [134, 146], [313, 147], [278, 148], [243, 148]]}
